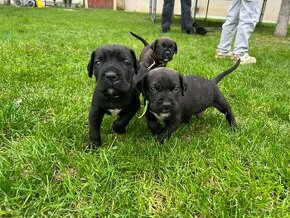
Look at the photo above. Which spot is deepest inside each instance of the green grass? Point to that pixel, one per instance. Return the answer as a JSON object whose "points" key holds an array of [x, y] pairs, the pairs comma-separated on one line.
{"points": [[204, 170]]}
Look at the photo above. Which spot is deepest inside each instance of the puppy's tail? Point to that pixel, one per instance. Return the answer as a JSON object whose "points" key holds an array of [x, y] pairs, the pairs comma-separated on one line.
{"points": [[225, 73], [140, 38]]}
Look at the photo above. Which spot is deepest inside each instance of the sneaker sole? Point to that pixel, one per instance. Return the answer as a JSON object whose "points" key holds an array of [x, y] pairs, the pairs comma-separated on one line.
{"points": [[242, 63], [223, 56]]}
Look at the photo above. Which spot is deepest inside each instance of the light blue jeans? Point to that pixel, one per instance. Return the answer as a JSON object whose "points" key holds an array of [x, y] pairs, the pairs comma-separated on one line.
{"points": [[241, 20]]}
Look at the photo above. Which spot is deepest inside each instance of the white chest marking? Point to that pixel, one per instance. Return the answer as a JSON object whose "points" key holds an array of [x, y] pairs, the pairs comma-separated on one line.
{"points": [[161, 116], [114, 111]]}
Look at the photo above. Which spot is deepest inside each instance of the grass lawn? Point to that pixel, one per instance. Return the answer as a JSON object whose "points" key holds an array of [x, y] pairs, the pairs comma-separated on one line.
{"points": [[204, 170]]}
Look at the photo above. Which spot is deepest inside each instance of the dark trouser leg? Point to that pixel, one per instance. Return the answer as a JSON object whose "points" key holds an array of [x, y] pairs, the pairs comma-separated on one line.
{"points": [[167, 14], [186, 19]]}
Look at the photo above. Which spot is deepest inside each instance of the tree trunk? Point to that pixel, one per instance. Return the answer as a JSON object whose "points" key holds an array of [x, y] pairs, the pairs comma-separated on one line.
{"points": [[283, 19]]}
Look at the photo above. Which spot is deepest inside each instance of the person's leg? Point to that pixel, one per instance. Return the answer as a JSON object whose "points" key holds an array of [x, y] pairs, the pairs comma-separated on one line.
{"points": [[229, 27], [186, 19], [167, 13], [249, 15]]}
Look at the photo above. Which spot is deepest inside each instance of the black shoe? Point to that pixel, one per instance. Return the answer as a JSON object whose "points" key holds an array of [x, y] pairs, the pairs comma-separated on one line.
{"points": [[189, 32], [165, 29]]}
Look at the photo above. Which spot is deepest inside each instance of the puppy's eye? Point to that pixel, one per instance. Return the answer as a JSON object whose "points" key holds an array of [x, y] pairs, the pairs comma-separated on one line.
{"points": [[153, 89], [98, 63], [126, 62], [176, 89]]}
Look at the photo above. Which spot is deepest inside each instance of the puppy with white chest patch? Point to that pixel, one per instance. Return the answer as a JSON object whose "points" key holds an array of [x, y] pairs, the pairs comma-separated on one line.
{"points": [[114, 67], [173, 99]]}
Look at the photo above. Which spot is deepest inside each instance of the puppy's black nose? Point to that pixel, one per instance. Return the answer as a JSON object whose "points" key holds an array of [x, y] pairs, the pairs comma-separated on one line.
{"points": [[111, 75], [167, 52]]}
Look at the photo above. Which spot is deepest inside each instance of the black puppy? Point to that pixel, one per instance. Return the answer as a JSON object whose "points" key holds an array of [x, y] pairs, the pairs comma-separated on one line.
{"points": [[173, 99], [158, 54], [114, 67], [199, 29]]}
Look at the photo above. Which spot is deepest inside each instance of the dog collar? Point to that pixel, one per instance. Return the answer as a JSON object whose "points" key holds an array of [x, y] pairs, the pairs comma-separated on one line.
{"points": [[150, 67]]}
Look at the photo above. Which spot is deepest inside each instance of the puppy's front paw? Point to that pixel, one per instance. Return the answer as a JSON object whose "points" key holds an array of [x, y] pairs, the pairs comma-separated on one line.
{"points": [[155, 127], [92, 145], [119, 129], [234, 126], [160, 138]]}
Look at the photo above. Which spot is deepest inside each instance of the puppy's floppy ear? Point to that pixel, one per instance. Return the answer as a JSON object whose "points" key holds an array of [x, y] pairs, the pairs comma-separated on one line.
{"points": [[175, 48], [91, 64], [154, 44], [141, 84], [183, 84], [135, 62]]}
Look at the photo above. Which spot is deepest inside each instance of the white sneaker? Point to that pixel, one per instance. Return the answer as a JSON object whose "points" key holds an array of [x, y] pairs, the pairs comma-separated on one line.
{"points": [[220, 54], [245, 59]]}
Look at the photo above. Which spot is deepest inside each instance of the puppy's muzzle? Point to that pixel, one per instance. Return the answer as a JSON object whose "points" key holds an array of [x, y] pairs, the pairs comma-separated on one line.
{"points": [[111, 76], [113, 84], [168, 55], [163, 108], [164, 111], [166, 105]]}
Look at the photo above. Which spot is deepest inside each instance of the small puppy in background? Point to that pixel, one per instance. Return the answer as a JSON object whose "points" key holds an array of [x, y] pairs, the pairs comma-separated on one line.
{"points": [[199, 29], [158, 54], [173, 99], [114, 67]]}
